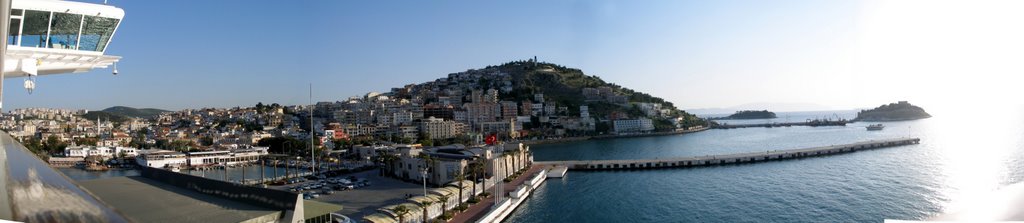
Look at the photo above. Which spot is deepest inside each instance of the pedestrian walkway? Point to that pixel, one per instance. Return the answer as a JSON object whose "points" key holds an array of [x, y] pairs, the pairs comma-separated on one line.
{"points": [[478, 210]]}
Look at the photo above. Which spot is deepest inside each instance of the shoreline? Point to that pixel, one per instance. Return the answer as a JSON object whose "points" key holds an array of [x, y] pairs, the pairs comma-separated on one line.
{"points": [[584, 138]]}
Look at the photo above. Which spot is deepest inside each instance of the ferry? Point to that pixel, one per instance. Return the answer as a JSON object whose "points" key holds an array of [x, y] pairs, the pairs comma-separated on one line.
{"points": [[875, 127]]}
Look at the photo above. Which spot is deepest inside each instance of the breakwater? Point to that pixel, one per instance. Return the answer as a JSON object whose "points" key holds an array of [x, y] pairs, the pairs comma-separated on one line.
{"points": [[729, 158]]}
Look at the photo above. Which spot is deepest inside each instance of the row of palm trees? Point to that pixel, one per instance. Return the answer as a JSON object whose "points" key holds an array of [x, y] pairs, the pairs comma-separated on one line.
{"points": [[475, 168], [401, 210]]}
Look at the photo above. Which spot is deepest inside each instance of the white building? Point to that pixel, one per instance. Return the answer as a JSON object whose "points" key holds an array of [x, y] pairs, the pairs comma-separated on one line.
{"points": [[436, 128], [99, 151], [158, 158], [633, 125], [225, 157]]}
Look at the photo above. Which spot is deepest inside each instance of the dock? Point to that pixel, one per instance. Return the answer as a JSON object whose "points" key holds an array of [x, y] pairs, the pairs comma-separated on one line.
{"points": [[811, 123], [711, 160], [557, 171]]}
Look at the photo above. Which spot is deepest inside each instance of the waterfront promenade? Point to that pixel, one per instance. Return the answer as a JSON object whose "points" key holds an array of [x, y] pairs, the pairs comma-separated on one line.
{"points": [[479, 210], [728, 158]]}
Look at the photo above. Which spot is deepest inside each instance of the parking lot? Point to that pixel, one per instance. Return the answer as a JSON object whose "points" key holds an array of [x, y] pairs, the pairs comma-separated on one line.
{"points": [[363, 201]]}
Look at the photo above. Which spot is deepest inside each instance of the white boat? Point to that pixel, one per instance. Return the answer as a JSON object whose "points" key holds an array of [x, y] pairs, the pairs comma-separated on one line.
{"points": [[875, 127]]}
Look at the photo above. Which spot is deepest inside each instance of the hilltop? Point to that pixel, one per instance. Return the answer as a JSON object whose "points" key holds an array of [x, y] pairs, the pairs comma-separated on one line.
{"points": [[572, 87], [134, 112], [900, 111], [105, 116], [122, 113]]}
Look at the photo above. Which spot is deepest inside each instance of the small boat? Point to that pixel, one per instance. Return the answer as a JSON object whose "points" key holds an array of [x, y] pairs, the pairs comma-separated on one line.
{"points": [[875, 127]]}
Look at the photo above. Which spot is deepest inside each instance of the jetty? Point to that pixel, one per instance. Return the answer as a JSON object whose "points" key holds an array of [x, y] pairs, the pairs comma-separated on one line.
{"points": [[710, 160], [811, 123]]}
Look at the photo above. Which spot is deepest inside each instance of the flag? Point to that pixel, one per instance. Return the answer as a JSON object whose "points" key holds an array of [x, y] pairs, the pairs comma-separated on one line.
{"points": [[491, 139]]}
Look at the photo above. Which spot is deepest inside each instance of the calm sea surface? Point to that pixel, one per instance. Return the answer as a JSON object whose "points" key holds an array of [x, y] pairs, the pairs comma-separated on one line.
{"points": [[960, 157]]}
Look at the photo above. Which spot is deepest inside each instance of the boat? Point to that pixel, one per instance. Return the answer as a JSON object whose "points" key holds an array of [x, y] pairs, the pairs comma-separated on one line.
{"points": [[875, 127]]}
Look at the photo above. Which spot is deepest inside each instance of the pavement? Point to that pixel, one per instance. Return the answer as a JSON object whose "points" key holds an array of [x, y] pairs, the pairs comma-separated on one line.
{"points": [[478, 210], [360, 202]]}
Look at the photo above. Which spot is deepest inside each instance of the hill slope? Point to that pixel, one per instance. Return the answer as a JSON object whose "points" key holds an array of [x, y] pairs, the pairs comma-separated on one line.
{"points": [[134, 112], [892, 112], [105, 116], [566, 86]]}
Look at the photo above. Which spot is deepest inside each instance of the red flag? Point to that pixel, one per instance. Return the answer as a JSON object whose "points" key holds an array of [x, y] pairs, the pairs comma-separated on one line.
{"points": [[493, 138]]}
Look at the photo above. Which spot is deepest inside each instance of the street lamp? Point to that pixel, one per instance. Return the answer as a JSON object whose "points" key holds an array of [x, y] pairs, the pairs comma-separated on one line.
{"points": [[423, 174]]}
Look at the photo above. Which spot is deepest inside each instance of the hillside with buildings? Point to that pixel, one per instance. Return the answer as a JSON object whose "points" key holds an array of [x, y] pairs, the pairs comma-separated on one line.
{"points": [[515, 101]]}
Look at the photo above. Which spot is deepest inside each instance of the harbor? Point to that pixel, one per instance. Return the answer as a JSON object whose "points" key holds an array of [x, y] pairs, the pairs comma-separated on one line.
{"points": [[709, 160], [811, 123]]}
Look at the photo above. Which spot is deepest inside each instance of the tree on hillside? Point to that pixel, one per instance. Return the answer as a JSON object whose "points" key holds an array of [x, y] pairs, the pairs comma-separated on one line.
{"points": [[53, 145]]}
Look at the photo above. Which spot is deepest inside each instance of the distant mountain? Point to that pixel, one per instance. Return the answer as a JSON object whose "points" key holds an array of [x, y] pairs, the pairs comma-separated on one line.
{"points": [[105, 116], [900, 111], [134, 112]]}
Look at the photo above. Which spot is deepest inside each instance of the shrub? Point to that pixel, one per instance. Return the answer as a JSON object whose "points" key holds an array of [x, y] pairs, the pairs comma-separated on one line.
{"points": [[447, 215]]}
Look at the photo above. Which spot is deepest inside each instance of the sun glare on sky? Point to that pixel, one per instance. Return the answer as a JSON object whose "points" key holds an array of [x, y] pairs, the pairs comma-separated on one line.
{"points": [[945, 54]]}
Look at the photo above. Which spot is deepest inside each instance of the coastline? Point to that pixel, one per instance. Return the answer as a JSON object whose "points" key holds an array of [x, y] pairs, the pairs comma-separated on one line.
{"points": [[583, 138]]}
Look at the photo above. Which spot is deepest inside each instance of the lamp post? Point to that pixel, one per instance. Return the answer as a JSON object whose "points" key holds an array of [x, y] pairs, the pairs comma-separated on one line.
{"points": [[423, 174]]}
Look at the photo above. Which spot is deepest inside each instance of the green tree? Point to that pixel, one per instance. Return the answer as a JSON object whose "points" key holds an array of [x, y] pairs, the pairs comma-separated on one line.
{"points": [[401, 210], [88, 141], [206, 141], [33, 144], [181, 145], [475, 169], [460, 176], [53, 145], [425, 205], [443, 198]]}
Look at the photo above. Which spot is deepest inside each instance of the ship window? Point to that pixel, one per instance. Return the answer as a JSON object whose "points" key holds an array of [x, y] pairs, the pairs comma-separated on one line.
{"points": [[34, 31], [96, 32], [64, 30], [15, 28]]}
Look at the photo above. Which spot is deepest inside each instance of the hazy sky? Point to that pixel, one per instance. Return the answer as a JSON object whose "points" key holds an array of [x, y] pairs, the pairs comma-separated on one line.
{"points": [[696, 54]]}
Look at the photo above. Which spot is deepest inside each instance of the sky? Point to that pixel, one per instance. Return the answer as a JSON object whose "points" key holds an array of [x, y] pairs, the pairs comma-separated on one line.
{"points": [[696, 54]]}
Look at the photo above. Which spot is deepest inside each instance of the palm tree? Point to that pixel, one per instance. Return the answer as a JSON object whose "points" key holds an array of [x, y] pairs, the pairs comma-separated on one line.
{"points": [[505, 156], [425, 205], [428, 161], [472, 178], [387, 160], [515, 159], [401, 210], [460, 177], [444, 201], [477, 168]]}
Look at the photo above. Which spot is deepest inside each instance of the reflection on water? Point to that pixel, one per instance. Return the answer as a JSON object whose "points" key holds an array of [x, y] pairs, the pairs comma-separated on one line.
{"points": [[961, 156]]}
